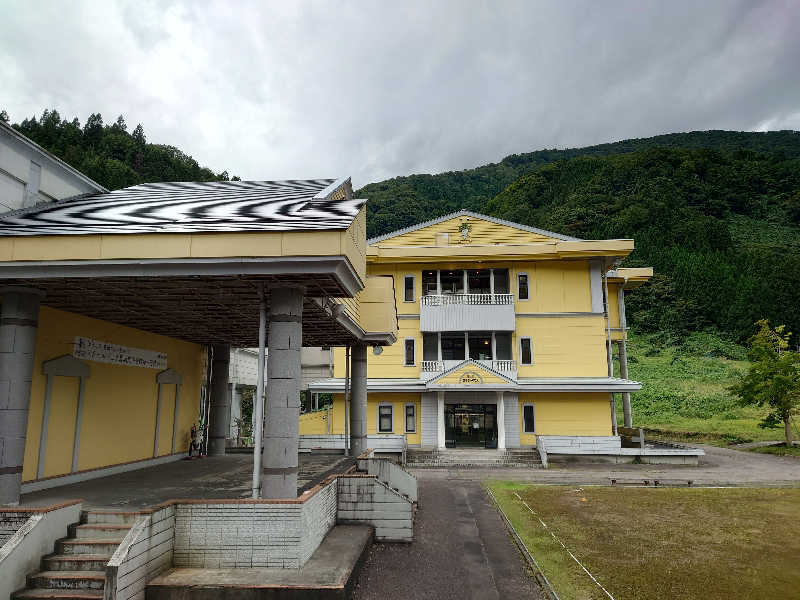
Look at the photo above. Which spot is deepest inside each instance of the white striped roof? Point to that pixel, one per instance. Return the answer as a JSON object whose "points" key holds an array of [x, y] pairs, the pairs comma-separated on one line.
{"points": [[193, 207]]}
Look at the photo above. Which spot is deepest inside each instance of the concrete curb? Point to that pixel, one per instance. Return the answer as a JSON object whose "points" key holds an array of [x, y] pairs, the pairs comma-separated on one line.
{"points": [[539, 575]]}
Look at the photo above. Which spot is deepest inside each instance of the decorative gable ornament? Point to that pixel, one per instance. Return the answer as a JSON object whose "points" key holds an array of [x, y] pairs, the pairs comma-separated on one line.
{"points": [[471, 378], [465, 229]]}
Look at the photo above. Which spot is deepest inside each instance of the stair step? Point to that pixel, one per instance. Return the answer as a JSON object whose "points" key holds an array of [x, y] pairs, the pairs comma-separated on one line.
{"points": [[109, 517], [88, 546], [55, 594], [93, 531], [92, 580], [75, 562]]}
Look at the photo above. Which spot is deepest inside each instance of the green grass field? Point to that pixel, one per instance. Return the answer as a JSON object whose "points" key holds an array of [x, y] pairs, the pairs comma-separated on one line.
{"points": [[684, 392], [668, 543]]}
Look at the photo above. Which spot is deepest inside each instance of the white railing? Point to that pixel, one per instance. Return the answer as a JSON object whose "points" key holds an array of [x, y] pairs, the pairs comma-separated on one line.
{"points": [[433, 366], [439, 366], [451, 299], [504, 365]]}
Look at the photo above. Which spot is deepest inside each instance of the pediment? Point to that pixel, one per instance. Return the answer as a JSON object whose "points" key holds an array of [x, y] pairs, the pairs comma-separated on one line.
{"points": [[470, 373]]}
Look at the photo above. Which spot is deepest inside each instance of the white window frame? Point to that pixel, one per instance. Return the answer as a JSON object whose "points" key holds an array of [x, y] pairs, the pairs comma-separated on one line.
{"points": [[533, 407], [530, 341], [413, 288], [378, 417], [519, 296], [405, 341], [405, 417]]}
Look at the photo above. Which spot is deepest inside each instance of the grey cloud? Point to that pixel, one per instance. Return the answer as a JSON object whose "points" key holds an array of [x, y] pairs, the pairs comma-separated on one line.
{"points": [[379, 89]]}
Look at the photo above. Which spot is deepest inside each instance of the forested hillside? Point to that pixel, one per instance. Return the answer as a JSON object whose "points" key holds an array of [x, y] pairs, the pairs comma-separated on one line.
{"points": [[403, 201], [717, 214], [109, 154]]}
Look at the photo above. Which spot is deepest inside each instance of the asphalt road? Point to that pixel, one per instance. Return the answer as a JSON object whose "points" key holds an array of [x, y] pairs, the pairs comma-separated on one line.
{"points": [[461, 550]]}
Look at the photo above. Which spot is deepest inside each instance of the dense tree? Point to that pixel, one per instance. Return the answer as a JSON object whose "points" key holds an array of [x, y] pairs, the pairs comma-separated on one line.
{"points": [[111, 155], [773, 379]]}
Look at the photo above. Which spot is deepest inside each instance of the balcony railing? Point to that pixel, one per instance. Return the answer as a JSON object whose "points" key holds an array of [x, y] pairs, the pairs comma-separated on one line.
{"points": [[439, 366], [459, 299]]}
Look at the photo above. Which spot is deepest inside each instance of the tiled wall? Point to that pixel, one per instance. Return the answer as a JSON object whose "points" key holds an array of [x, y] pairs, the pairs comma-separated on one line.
{"points": [[253, 534], [145, 552]]}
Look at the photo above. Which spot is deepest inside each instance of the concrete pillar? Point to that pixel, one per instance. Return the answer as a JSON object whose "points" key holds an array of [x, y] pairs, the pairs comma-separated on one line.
{"points": [[358, 400], [19, 318], [440, 430], [279, 472], [236, 408], [501, 422], [220, 424], [623, 372]]}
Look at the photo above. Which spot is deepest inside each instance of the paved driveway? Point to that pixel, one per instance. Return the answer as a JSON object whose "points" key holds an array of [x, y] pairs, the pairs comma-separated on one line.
{"points": [[461, 550]]}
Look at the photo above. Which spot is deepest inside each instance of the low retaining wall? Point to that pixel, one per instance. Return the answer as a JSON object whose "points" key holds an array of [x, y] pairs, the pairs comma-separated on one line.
{"points": [[36, 536], [608, 449], [146, 551], [362, 499], [393, 475]]}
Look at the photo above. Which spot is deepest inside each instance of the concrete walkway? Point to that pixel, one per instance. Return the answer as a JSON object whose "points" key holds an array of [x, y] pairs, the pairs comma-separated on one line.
{"points": [[227, 476], [461, 550]]}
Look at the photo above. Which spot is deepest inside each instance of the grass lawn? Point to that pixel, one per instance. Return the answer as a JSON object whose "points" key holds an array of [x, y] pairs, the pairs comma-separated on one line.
{"points": [[668, 543], [684, 392], [779, 450]]}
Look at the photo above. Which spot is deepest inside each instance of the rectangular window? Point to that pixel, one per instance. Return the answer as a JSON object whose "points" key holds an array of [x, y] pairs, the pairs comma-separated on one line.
{"points": [[409, 293], [525, 351], [430, 286], [479, 281], [452, 282], [453, 345], [411, 418], [501, 281], [430, 346], [502, 342], [528, 419], [410, 353], [522, 286], [385, 419], [480, 345]]}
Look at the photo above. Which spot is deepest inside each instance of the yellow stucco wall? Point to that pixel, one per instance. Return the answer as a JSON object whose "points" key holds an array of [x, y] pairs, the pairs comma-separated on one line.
{"points": [[398, 402], [315, 423], [481, 232], [560, 413], [119, 409]]}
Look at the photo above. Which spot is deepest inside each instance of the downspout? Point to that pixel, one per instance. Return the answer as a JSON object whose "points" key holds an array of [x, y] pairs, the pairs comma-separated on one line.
{"points": [[608, 347], [346, 401]]}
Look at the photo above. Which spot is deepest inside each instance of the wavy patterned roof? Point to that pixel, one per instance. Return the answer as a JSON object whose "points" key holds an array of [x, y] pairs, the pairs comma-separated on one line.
{"points": [[193, 207]]}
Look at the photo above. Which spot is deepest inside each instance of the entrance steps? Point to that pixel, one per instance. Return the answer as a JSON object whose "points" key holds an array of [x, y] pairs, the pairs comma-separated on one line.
{"points": [[76, 570], [474, 458]]}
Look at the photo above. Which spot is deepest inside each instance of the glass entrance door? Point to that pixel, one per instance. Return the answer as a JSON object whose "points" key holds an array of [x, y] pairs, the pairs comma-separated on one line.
{"points": [[470, 425]]}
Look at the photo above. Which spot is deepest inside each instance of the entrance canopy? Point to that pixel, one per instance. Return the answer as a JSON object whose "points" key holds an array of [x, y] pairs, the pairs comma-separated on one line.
{"points": [[187, 260]]}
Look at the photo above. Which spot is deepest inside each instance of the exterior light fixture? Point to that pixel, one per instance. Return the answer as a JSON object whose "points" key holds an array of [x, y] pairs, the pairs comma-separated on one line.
{"points": [[377, 350]]}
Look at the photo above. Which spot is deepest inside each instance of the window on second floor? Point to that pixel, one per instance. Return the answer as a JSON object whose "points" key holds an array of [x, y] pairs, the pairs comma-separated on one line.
{"points": [[409, 293], [410, 355], [480, 345], [502, 342], [430, 283], [430, 346], [452, 282], [525, 351], [522, 286], [453, 345], [479, 281], [500, 281]]}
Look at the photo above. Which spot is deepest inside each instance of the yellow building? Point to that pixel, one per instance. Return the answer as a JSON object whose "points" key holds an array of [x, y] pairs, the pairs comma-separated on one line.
{"points": [[504, 335]]}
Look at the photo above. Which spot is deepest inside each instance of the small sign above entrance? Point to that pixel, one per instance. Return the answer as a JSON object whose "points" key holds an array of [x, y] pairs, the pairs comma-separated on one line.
{"points": [[471, 377], [106, 352]]}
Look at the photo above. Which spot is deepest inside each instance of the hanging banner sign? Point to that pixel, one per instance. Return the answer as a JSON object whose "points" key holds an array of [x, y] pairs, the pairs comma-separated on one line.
{"points": [[105, 352]]}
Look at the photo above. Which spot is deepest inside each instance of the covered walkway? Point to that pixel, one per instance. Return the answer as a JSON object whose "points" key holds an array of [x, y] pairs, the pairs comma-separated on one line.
{"points": [[228, 476]]}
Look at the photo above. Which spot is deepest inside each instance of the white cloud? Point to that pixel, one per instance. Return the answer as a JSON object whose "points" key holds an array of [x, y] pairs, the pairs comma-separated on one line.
{"points": [[379, 89]]}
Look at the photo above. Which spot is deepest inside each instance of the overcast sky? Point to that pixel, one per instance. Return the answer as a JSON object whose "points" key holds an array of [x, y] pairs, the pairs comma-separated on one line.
{"points": [[285, 89]]}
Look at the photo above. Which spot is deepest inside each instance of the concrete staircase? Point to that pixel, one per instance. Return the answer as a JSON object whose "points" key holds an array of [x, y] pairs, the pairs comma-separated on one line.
{"points": [[76, 570], [474, 458]]}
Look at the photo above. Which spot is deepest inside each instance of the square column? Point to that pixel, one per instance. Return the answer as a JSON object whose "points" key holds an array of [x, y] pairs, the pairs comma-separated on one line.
{"points": [[501, 422], [19, 320], [358, 400], [623, 373], [440, 432], [285, 337], [220, 409]]}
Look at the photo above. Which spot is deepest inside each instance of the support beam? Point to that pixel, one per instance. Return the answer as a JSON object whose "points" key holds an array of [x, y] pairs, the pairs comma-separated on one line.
{"points": [[279, 474], [19, 319], [220, 400], [501, 422], [358, 401], [623, 372], [258, 399], [440, 431]]}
